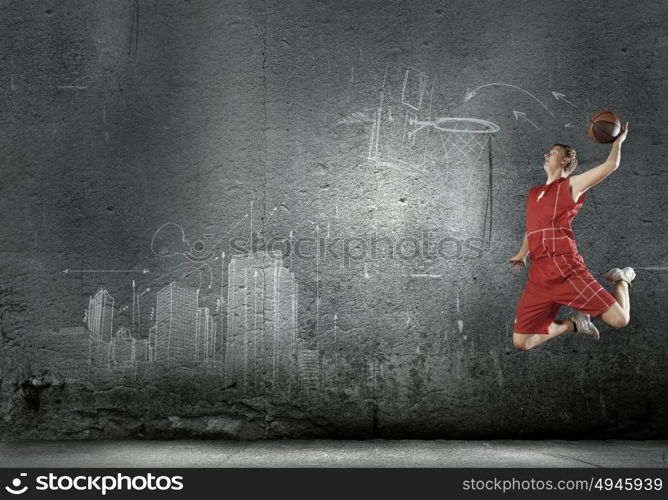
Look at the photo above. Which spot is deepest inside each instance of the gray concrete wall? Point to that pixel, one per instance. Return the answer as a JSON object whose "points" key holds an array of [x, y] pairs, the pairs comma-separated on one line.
{"points": [[149, 142]]}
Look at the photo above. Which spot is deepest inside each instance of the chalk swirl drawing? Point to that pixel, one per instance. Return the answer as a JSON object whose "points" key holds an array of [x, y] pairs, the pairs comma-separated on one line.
{"points": [[170, 240]]}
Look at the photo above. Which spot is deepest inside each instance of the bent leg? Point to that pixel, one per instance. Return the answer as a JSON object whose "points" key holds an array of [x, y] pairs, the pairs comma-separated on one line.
{"points": [[581, 291], [619, 314], [525, 341]]}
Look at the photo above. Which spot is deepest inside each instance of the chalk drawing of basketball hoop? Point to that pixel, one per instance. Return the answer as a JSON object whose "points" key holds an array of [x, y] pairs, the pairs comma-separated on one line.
{"points": [[463, 142], [463, 139], [406, 136]]}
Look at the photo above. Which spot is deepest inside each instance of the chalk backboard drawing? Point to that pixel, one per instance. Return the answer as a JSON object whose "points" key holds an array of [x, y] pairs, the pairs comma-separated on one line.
{"points": [[414, 87], [401, 101]]}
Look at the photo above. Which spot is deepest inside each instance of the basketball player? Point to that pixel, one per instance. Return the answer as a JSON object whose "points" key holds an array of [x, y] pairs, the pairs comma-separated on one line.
{"points": [[558, 275]]}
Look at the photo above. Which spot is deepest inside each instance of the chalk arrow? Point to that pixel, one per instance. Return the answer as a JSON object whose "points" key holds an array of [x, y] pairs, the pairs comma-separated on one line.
{"points": [[68, 271], [561, 97], [471, 93], [519, 114], [569, 125]]}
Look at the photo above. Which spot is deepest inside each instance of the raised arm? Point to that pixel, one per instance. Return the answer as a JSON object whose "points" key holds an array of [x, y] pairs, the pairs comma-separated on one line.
{"points": [[582, 182]]}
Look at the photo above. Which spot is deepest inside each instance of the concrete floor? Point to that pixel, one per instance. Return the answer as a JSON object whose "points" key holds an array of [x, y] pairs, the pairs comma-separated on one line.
{"points": [[330, 453]]}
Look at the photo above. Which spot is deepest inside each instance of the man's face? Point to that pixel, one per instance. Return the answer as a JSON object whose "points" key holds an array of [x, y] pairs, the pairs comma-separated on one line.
{"points": [[554, 159]]}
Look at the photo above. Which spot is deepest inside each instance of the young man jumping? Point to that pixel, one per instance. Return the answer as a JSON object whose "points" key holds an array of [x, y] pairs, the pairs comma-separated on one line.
{"points": [[558, 275]]}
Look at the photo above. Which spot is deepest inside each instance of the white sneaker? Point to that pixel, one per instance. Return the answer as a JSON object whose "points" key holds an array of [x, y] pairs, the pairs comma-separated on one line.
{"points": [[584, 325], [616, 274]]}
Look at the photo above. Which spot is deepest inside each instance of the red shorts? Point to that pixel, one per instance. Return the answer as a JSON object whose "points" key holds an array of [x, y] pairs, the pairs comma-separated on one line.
{"points": [[555, 281]]}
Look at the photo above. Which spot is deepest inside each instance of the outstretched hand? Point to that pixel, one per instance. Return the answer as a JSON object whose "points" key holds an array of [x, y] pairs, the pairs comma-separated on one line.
{"points": [[622, 136]]}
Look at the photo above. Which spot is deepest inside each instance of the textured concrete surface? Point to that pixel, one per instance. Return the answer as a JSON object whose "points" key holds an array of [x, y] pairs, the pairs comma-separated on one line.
{"points": [[321, 453], [154, 153]]}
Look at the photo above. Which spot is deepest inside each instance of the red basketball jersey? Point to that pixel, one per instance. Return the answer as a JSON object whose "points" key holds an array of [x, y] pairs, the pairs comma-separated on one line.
{"points": [[558, 275], [550, 210]]}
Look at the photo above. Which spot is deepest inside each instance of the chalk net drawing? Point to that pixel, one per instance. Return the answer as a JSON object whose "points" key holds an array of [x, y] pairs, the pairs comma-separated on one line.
{"points": [[408, 135]]}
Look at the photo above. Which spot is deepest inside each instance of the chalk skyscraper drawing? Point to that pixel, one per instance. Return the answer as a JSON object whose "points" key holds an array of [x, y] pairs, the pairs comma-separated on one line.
{"points": [[176, 323], [309, 368], [260, 350], [101, 315], [205, 336]]}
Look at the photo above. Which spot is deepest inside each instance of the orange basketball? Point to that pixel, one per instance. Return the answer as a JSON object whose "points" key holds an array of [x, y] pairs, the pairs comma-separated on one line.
{"points": [[604, 127]]}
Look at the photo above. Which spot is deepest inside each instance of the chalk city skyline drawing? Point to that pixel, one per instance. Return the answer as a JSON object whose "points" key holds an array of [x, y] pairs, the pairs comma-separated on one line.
{"points": [[252, 349], [259, 350]]}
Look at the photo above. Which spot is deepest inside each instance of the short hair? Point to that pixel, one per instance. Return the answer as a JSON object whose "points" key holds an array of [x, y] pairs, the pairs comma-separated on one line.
{"points": [[571, 154]]}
